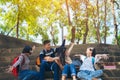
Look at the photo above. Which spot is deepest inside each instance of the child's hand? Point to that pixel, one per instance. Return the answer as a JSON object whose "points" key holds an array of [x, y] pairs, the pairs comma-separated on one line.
{"points": [[49, 59], [56, 58], [64, 37], [102, 56], [9, 70], [106, 56], [33, 48], [77, 55], [72, 43]]}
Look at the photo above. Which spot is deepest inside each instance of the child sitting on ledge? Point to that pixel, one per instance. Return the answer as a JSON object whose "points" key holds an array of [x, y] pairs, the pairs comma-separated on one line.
{"points": [[87, 69]]}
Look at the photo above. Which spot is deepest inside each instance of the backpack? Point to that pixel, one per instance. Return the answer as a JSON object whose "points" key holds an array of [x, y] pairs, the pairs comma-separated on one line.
{"points": [[16, 70], [77, 62], [38, 62]]}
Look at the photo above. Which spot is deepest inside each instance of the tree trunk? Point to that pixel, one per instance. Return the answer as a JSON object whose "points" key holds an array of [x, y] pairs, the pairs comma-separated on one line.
{"points": [[73, 34], [11, 30], [17, 25], [68, 13], [78, 40], [70, 23], [17, 28], [98, 24], [105, 27], [115, 23], [94, 22], [86, 27], [52, 34]]}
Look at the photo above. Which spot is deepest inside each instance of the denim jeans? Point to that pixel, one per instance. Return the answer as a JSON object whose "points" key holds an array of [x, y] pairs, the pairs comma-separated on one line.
{"points": [[69, 68], [28, 75], [49, 66], [88, 75]]}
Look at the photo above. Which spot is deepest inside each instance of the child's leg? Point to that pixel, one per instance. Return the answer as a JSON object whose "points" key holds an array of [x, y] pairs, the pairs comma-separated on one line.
{"points": [[37, 68], [59, 63], [73, 71], [74, 77], [31, 75], [65, 71], [63, 77], [96, 73], [84, 75]]}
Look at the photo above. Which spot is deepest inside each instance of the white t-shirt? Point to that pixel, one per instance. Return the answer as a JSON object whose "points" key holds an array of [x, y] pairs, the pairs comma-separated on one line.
{"points": [[88, 64]]}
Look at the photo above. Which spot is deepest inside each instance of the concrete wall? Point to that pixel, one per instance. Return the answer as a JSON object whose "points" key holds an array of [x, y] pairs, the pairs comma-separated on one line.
{"points": [[11, 42]]}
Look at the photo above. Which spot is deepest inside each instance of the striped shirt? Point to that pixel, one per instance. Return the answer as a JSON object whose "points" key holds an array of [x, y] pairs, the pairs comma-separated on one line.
{"points": [[25, 66]]}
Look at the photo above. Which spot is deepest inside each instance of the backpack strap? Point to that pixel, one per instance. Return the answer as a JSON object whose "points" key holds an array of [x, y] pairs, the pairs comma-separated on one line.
{"points": [[93, 62], [53, 50], [23, 62], [44, 52]]}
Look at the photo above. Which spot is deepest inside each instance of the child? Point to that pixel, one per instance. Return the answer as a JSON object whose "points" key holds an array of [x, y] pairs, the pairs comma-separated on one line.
{"points": [[24, 72], [68, 67], [87, 69], [48, 61]]}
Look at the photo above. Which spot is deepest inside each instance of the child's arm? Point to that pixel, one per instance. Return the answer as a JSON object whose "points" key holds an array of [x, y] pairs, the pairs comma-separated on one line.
{"points": [[56, 50], [82, 57], [98, 57], [59, 63], [70, 49], [19, 61], [58, 60], [63, 43]]}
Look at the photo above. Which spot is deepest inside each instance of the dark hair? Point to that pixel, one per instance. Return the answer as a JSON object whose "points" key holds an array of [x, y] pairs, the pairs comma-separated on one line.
{"points": [[93, 51], [61, 53], [46, 42], [27, 49]]}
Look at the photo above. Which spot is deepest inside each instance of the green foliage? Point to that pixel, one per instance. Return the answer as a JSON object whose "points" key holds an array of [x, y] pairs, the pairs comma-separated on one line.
{"points": [[119, 40], [45, 17]]}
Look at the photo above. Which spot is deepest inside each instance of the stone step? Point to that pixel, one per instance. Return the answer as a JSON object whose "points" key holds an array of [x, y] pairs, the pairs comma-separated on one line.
{"points": [[16, 53], [82, 48], [107, 73], [98, 52], [111, 78], [74, 51], [77, 48], [12, 50], [4, 68], [105, 49], [116, 56], [8, 59], [9, 76], [111, 65], [6, 76], [6, 63], [33, 58], [112, 73]]}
